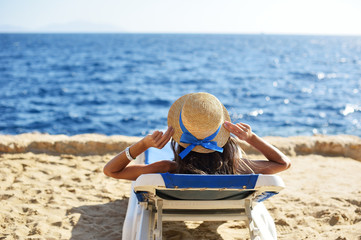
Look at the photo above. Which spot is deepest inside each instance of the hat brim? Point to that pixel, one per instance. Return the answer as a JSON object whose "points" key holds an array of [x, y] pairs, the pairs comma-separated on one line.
{"points": [[173, 121]]}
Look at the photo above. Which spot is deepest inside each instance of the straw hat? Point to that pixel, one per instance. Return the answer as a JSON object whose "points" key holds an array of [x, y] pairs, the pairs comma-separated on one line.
{"points": [[202, 115]]}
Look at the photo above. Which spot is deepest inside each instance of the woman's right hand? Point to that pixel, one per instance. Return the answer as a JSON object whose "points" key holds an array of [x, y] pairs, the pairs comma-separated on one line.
{"points": [[277, 161], [158, 139], [241, 130]]}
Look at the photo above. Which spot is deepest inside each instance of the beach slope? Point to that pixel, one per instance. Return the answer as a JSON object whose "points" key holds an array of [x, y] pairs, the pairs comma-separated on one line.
{"points": [[53, 187]]}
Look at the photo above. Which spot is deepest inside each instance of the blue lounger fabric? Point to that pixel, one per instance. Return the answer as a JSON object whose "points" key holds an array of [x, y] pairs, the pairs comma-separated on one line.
{"points": [[210, 181], [184, 181], [153, 155]]}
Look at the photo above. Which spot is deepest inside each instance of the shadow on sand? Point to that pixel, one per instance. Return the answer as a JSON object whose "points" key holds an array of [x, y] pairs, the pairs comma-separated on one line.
{"points": [[179, 231], [105, 221], [102, 221]]}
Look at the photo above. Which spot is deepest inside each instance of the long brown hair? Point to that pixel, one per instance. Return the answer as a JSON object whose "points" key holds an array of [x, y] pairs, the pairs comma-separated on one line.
{"points": [[228, 162]]}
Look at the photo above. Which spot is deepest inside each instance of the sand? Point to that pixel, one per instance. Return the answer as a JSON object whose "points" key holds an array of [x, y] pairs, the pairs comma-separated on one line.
{"points": [[61, 192]]}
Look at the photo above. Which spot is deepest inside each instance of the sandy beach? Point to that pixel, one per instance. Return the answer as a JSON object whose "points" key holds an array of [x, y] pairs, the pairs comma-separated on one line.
{"points": [[53, 187]]}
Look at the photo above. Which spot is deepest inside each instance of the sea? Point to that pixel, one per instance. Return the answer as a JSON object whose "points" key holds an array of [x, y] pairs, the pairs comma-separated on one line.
{"points": [[124, 84]]}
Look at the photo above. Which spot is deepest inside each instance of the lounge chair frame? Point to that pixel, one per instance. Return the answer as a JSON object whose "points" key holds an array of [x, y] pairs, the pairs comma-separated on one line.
{"points": [[153, 203], [156, 198]]}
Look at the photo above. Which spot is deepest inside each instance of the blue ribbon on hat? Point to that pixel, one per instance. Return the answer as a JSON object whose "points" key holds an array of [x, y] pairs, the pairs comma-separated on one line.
{"points": [[187, 137]]}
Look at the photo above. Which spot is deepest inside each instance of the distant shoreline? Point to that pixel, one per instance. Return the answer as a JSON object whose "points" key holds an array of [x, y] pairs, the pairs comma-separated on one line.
{"points": [[97, 144], [177, 33]]}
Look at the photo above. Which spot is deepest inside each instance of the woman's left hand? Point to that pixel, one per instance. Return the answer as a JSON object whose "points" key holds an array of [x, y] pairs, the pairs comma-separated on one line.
{"points": [[241, 130]]}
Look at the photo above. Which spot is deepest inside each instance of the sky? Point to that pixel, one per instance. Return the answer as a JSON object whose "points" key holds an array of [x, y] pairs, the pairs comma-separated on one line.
{"points": [[321, 17]]}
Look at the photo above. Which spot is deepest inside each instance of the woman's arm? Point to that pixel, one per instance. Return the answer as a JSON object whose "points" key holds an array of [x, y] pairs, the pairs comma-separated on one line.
{"points": [[118, 166], [277, 161]]}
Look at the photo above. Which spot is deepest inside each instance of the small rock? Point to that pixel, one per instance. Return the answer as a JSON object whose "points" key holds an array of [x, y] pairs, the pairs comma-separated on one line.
{"points": [[57, 224], [341, 238], [334, 219], [282, 222]]}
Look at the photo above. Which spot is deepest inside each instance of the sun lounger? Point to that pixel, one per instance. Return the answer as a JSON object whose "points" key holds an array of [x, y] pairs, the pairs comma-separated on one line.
{"points": [[181, 197]]}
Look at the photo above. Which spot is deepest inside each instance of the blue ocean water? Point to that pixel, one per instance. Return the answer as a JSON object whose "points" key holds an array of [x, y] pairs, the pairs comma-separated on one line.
{"points": [[125, 83]]}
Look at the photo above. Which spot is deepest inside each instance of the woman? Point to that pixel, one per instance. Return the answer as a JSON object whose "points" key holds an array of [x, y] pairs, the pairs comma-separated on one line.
{"points": [[200, 128]]}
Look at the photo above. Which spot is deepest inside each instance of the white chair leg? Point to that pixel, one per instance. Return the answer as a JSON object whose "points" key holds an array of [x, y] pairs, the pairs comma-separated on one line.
{"points": [[139, 220], [158, 232], [253, 230], [145, 223], [130, 220], [151, 223], [264, 222]]}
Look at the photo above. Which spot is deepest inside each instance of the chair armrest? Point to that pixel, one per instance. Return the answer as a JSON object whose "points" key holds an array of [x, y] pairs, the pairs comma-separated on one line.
{"points": [[259, 182]]}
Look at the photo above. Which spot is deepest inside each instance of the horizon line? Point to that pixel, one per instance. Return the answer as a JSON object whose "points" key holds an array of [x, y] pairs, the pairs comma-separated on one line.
{"points": [[180, 33]]}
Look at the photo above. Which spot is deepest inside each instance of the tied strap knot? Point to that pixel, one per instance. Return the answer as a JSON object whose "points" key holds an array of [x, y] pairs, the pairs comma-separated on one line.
{"points": [[188, 138]]}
